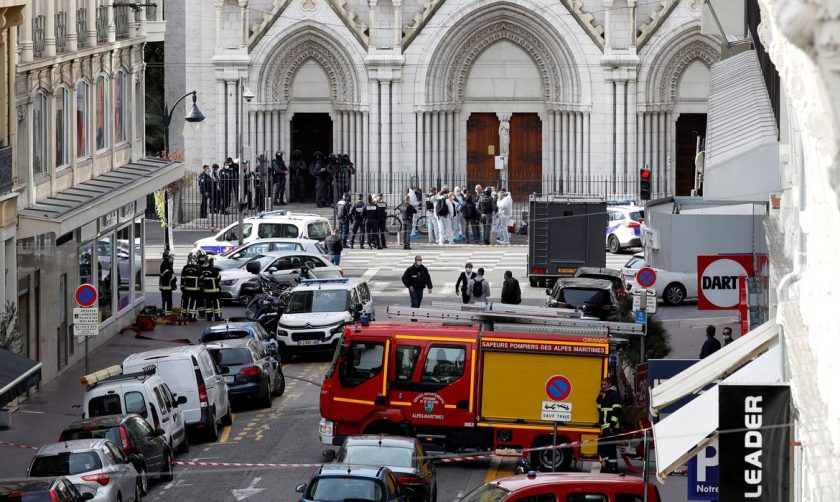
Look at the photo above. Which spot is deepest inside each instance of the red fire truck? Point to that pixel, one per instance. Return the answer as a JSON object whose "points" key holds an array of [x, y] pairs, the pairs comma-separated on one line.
{"points": [[498, 381]]}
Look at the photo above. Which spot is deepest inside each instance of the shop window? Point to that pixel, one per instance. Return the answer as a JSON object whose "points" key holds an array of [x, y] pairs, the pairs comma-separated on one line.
{"points": [[105, 273], [62, 127], [139, 264], [82, 124], [39, 134], [120, 108], [86, 263], [101, 113], [124, 267]]}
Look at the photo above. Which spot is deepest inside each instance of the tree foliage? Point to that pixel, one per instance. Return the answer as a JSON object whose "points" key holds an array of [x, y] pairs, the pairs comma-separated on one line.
{"points": [[657, 339]]}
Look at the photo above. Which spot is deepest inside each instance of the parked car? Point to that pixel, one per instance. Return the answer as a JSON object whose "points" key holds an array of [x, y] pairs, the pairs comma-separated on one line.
{"points": [[269, 224], [41, 490], [133, 435], [143, 392], [317, 311], [566, 487], [335, 482], [405, 456], [236, 257], [673, 288], [249, 370], [192, 373], [237, 330], [624, 227], [593, 297], [282, 267], [96, 466], [607, 274]]}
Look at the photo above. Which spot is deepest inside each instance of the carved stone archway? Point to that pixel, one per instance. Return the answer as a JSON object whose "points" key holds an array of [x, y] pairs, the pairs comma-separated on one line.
{"points": [[665, 71]]}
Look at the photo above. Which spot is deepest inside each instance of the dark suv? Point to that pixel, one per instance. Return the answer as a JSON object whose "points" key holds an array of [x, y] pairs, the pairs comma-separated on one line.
{"points": [[593, 297], [607, 274]]}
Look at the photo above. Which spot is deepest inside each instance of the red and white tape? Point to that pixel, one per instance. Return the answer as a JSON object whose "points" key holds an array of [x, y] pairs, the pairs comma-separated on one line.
{"points": [[17, 445], [463, 458], [240, 464]]}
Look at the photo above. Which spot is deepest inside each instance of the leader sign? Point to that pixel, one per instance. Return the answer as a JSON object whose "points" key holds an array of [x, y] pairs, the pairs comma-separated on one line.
{"points": [[717, 280]]}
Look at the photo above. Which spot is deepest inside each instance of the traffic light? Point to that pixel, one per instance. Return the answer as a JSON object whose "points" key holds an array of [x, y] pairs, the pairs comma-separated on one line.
{"points": [[644, 184]]}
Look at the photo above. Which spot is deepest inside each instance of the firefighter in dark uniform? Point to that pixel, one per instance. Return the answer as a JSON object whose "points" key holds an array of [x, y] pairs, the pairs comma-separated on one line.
{"points": [[609, 409], [167, 282], [189, 287], [381, 217], [372, 223], [358, 219], [200, 297], [344, 210], [211, 276]]}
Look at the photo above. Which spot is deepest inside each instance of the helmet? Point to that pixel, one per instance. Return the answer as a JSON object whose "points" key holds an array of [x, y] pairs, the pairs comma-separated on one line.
{"points": [[200, 255], [210, 261], [191, 257]]}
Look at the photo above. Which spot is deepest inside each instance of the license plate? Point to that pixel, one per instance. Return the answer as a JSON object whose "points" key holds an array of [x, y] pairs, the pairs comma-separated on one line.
{"points": [[309, 342], [229, 379]]}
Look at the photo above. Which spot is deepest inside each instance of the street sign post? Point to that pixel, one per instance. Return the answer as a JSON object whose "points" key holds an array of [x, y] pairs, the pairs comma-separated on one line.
{"points": [[86, 318], [650, 306], [86, 295], [646, 277]]}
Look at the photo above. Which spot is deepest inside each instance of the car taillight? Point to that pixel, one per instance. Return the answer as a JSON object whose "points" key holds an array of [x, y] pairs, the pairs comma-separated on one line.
{"points": [[126, 443], [250, 371], [101, 478], [631, 224], [202, 394], [409, 479], [53, 496]]}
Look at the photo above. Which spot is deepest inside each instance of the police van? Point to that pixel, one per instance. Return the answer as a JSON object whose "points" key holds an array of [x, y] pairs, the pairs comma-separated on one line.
{"points": [[317, 310], [268, 225]]}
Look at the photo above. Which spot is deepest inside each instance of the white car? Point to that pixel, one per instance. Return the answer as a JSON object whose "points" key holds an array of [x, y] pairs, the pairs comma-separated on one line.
{"points": [[268, 225], [283, 267], [673, 288], [624, 227], [317, 311], [240, 255]]}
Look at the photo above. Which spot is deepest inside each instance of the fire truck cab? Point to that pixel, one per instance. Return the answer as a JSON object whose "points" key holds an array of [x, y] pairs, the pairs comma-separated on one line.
{"points": [[461, 388]]}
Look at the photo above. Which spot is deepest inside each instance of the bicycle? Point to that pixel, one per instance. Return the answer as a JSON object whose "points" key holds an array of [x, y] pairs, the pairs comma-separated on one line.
{"points": [[394, 225]]}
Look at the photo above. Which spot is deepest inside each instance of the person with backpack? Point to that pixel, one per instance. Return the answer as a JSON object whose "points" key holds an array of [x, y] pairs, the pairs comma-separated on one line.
{"points": [[431, 219], [279, 172], [444, 212], [471, 219], [479, 288], [458, 219], [511, 293], [344, 210], [487, 208], [463, 282]]}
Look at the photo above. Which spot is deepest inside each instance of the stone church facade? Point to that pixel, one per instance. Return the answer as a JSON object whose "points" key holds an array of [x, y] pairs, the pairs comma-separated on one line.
{"points": [[588, 91]]}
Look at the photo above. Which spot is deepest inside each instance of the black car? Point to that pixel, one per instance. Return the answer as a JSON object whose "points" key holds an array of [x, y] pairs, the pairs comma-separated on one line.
{"points": [[248, 369], [404, 456], [593, 297], [41, 490], [134, 435], [607, 274]]}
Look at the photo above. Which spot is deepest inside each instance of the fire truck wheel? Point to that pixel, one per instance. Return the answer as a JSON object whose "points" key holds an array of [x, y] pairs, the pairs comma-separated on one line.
{"points": [[542, 459]]}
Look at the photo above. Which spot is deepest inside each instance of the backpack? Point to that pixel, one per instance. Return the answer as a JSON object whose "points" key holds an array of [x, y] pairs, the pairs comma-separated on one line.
{"points": [[441, 209], [478, 287], [485, 205]]}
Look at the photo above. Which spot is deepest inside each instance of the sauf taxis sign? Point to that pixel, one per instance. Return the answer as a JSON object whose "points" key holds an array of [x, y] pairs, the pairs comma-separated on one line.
{"points": [[718, 279]]}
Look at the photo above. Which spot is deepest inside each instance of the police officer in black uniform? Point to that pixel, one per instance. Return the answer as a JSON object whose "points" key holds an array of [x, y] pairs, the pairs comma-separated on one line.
{"points": [[344, 211], [279, 171], [372, 224], [358, 218], [189, 287], [297, 172], [381, 217], [322, 179], [211, 276], [167, 282]]}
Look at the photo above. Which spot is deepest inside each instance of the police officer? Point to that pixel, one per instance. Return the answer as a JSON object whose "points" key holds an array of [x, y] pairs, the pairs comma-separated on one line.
{"points": [[609, 409], [381, 218], [344, 211], [358, 218], [211, 276], [372, 223], [322, 176], [205, 186], [297, 172], [167, 282], [279, 171], [189, 287]]}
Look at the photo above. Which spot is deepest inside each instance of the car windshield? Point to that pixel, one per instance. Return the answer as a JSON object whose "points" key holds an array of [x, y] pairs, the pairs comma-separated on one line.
{"points": [[336, 489], [92, 432], [486, 493], [637, 215], [635, 262], [216, 336], [319, 230], [65, 464], [376, 455], [616, 282], [231, 357], [578, 297], [331, 300]]}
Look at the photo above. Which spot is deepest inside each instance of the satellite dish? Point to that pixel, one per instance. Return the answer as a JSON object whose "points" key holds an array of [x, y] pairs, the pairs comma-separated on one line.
{"points": [[700, 161]]}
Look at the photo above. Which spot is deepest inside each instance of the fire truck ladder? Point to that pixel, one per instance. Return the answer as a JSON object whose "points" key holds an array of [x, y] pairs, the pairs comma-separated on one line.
{"points": [[501, 317]]}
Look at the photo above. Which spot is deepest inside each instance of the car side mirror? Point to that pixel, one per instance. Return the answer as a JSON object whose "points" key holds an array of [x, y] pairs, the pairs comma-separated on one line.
{"points": [[329, 455], [253, 267], [181, 400], [135, 460], [548, 291], [271, 270], [159, 432], [300, 488], [237, 255]]}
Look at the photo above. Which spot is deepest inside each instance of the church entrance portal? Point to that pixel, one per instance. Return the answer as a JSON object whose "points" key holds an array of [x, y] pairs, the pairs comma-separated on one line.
{"points": [[311, 132]]}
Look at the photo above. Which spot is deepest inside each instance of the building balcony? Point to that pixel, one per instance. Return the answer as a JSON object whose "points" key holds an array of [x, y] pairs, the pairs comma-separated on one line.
{"points": [[6, 167], [155, 23]]}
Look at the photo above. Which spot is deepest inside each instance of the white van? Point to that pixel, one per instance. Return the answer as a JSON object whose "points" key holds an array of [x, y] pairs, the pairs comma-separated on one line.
{"points": [[268, 225], [190, 372], [142, 392], [317, 310]]}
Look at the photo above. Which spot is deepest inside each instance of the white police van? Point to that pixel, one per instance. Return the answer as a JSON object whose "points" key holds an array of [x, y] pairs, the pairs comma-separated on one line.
{"points": [[317, 310], [268, 225]]}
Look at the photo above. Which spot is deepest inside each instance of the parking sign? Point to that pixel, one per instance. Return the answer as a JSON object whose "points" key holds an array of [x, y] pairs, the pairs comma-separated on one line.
{"points": [[703, 474]]}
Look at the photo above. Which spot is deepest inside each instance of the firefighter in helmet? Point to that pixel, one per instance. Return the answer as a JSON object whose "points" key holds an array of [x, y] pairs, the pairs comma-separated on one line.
{"points": [[167, 282], [609, 409], [189, 286], [211, 276]]}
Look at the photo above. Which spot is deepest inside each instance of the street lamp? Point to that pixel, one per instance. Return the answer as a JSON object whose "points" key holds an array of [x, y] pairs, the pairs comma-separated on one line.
{"points": [[248, 96], [194, 115]]}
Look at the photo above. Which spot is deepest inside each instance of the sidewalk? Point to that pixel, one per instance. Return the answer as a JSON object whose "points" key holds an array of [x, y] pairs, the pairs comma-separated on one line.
{"points": [[41, 418]]}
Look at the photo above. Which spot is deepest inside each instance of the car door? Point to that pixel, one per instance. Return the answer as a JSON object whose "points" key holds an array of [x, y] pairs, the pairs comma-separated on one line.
{"points": [[215, 384], [361, 367], [179, 427], [265, 363], [166, 422], [150, 446], [126, 472]]}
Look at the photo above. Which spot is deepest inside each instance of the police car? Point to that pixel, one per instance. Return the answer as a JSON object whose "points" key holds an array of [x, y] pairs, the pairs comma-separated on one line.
{"points": [[267, 225], [318, 309], [624, 227]]}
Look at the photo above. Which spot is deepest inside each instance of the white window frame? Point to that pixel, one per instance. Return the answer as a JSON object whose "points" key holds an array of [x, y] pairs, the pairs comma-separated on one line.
{"points": [[64, 96], [121, 93], [86, 122], [46, 151], [106, 104]]}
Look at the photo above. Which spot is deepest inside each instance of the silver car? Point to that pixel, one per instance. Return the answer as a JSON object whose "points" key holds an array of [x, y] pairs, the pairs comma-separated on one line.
{"points": [[95, 466], [237, 257], [283, 267]]}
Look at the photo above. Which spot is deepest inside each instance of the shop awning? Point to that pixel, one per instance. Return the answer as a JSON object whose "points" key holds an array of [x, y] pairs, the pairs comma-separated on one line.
{"points": [[85, 202], [17, 375], [714, 367], [682, 434]]}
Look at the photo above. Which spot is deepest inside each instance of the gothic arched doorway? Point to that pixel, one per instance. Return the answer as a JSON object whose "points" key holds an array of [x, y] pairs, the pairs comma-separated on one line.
{"points": [[311, 132]]}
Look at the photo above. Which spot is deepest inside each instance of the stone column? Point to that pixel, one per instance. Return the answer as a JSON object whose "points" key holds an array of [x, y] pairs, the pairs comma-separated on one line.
{"points": [[566, 158], [231, 118], [558, 156], [374, 165], [450, 161], [348, 134], [243, 23], [258, 132], [49, 29], [428, 168], [620, 167], [219, 4], [112, 28], [579, 149], [90, 12], [631, 165], [587, 140], [669, 181], [397, 24], [358, 154], [72, 36], [367, 145], [655, 145], [252, 133], [386, 127], [221, 120], [26, 37], [421, 152]]}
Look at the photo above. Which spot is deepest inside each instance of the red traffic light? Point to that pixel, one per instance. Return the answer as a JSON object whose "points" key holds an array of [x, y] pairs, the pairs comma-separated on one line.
{"points": [[644, 174]]}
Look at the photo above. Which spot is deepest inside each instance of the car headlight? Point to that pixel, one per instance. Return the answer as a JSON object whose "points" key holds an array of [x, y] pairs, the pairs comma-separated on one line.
{"points": [[228, 282], [282, 332], [326, 427]]}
